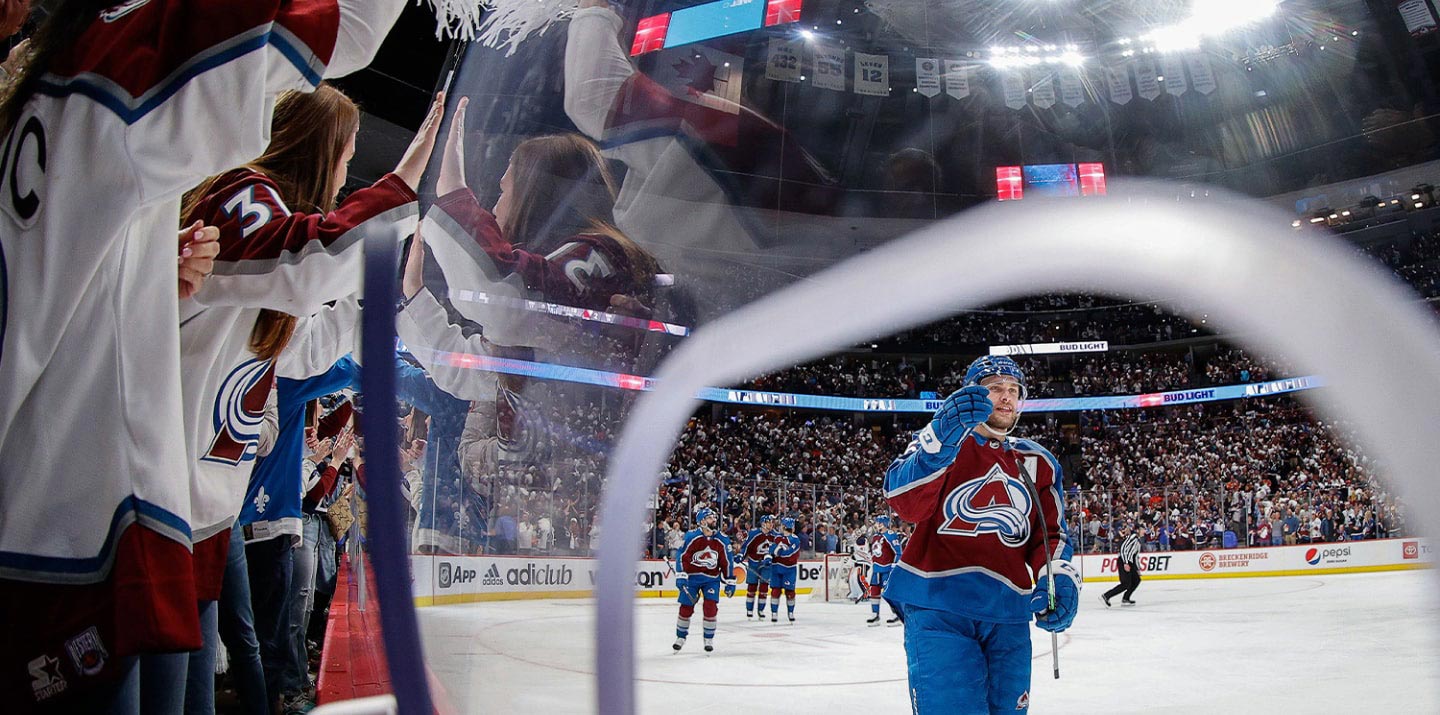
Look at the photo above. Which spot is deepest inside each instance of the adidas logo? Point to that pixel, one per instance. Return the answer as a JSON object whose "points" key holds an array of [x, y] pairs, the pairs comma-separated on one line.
{"points": [[492, 577]]}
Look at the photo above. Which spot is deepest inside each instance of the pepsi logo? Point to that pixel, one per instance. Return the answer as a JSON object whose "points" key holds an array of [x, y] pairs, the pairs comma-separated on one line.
{"points": [[1312, 556]]}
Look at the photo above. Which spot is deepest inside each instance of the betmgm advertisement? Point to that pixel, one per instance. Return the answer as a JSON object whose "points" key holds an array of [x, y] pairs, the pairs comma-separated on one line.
{"points": [[440, 580]]}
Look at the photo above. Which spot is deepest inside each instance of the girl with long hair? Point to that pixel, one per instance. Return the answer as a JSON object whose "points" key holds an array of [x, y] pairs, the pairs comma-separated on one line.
{"points": [[286, 249], [551, 237]]}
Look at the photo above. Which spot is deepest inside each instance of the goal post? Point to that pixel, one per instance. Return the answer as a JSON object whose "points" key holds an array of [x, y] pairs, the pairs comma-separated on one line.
{"points": [[839, 581]]}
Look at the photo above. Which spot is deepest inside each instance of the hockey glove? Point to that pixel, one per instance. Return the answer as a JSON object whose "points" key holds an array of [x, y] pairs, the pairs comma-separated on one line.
{"points": [[1067, 597], [729, 590], [962, 410], [682, 583]]}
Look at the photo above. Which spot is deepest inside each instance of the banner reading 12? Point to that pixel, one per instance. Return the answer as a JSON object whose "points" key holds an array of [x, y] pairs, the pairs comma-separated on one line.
{"points": [[711, 20]]}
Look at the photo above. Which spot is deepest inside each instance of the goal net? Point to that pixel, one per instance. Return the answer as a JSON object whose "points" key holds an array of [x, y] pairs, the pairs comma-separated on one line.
{"points": [[841, 580]]}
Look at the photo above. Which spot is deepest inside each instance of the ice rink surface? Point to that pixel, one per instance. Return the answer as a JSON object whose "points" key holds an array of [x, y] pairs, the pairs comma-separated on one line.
{"points": [[1342, 644]]}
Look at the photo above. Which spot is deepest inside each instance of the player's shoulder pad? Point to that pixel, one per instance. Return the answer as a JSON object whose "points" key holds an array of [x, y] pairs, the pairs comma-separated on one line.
{"points": [[1031, 447]]}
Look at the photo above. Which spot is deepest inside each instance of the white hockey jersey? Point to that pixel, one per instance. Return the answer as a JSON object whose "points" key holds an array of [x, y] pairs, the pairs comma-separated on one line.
{"points": [[155, 96]]}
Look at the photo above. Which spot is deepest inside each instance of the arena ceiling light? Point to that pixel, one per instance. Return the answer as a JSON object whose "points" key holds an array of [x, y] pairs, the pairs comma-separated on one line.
{"points": [[1212, 18]]}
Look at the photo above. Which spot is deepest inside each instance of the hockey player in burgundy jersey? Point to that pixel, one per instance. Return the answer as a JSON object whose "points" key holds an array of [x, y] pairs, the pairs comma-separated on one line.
{"points": [[701, 568], [975, 572], [784, 565], [885, 547], [756, 552]]}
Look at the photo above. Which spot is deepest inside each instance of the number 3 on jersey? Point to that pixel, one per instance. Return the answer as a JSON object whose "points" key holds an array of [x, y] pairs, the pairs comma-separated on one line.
{"points": [[252, 213]]}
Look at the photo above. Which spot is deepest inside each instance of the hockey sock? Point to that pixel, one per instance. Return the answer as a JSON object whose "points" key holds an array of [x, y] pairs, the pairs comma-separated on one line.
{"points": [[790, 603], [750, 598], [875, 594], [774, 601], [711, 610], [682, 624], [760, 599]]}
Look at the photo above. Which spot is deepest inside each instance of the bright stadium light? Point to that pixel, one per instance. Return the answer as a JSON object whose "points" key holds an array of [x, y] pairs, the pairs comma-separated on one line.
{"points": [[1208, 19], [1072, 58]]}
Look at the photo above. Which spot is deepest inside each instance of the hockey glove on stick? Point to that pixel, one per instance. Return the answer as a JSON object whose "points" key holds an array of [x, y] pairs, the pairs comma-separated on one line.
{"points": [[729, 590], [1067, 598]]}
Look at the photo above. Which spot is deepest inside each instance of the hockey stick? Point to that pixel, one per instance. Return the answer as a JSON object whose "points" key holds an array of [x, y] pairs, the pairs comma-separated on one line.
{"points": [[1049, 573]]}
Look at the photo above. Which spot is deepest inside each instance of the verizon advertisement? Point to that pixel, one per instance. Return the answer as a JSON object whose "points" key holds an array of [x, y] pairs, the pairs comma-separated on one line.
{"points": [[437, 580], [1347, 557]]}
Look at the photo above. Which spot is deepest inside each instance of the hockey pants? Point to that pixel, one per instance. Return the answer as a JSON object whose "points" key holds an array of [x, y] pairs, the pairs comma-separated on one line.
{"points": [[961, 666]]}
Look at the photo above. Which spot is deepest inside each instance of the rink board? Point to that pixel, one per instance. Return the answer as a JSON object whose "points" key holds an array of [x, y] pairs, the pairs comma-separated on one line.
{"points": [[445, 580], [1301, 560]]}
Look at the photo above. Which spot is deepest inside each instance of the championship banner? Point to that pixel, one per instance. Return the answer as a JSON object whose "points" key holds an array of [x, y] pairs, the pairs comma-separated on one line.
{"points": [[1043, 93], [1202, 77], [1174, 71], [783, 62], [872, 74], [1092, 346], [1145, 79], [829, 67], [1117, 80], [1072, 87], [1013, 82], [1419, 20], [927, 76], [957, 79]]}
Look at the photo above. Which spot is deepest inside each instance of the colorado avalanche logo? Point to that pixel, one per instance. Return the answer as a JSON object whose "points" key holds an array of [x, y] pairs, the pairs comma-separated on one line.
{"points": [[239, 412], [706, 558], [996, 503]]}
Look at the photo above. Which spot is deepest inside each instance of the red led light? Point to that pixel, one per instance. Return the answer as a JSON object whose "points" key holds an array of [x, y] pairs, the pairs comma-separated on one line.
{"points": [[1092, 179], [650, 34], [779, 12], [1009, 183]]}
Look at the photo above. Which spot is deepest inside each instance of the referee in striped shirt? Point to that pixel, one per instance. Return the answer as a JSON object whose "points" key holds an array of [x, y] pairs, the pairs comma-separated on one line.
{"points": [[1129, 567]]}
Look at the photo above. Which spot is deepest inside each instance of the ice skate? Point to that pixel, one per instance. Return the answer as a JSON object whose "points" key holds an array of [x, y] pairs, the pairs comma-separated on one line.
{"points": [[709, 645], [1126, 602], [896, 621], [1105, 600], [873, 620], [679, 643]]}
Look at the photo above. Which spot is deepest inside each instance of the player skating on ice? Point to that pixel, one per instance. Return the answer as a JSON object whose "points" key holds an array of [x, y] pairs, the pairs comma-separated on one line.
{"points": [[785, 560], [990, 549], [885, 548], [701, 568], [756, 552]]}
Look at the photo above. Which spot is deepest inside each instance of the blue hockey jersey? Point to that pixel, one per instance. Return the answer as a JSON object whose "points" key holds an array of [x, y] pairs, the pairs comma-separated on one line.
{"points": [[274, 499]]}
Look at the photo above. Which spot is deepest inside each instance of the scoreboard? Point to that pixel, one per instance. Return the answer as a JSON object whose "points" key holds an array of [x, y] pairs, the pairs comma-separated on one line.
{"points": [[710, 20], [1013, 182]]}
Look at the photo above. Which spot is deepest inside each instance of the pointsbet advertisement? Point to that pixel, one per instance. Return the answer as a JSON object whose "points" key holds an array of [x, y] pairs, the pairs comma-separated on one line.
{"points": [[1297, 560]]}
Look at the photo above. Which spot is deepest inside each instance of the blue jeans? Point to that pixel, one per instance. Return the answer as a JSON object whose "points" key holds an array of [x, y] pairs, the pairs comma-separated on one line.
{"points": [[237, 631], [961, 666], [200, 674], [295, 677], [270, 563], [155, 684]]}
